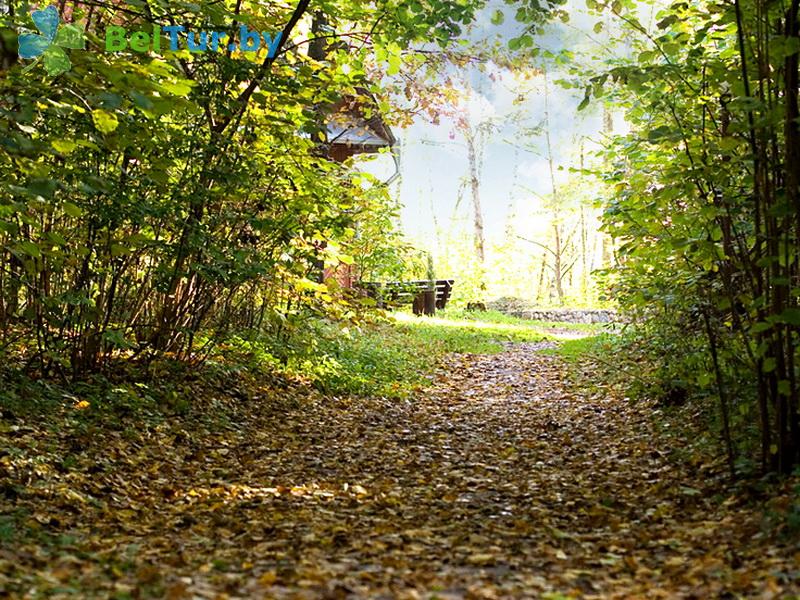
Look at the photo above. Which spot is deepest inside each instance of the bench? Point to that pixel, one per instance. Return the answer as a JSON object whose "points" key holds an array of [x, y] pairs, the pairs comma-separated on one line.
{"points": [[396, 293]]}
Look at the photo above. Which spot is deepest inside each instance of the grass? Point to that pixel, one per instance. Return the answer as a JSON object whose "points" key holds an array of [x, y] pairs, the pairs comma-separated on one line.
{"points": [[572, 350], [392, 359], [469, 335], [494, 316]]}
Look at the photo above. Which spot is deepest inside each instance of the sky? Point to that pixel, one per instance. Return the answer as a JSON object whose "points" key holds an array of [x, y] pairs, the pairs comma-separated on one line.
{"points": [[434, 160]]}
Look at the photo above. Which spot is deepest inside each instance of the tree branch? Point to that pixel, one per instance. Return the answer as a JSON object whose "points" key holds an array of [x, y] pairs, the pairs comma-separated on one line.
{"points": [[244, 97]]}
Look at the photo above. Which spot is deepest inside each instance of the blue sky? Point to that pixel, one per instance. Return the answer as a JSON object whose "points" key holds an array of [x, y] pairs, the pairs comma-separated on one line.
{"points": [[434, 159]]}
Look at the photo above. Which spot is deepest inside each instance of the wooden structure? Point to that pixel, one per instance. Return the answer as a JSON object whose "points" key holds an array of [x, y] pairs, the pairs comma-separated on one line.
{"points": [[419, 294], [349, 133]]}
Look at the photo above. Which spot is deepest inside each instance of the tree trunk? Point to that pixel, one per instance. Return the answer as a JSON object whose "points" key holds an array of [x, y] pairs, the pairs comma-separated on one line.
{"points": [[475, 186]]}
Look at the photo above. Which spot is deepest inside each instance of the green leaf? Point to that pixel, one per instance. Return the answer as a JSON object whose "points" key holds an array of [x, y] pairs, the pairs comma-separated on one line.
{"points": [[761, 327], [30, 249], [70, 36], [64, 146], [728, 143], [663, 133], [88, 144], [42, 187], [177, 88], [790, 316], [141, 100], [395, 62], [647, 56], [667, 21], [72, 210], [116, 339], [105, 121], [119, 250], [56, 61], [498, 18]]}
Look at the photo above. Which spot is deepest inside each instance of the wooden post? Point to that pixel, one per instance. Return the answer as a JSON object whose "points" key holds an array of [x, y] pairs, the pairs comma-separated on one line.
{"points": [[418, 305], [430, 302], [430, 293]]}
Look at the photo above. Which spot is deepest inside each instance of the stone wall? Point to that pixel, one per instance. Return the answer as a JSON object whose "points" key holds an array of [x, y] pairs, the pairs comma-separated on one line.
{"points": [[522, 310], [565, 315]]}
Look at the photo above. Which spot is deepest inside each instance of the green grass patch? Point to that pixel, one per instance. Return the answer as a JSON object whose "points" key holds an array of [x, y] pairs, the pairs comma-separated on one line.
{"points": [[593, 361], [497, 317], [463, 335], [573, 350], [391, 358]]}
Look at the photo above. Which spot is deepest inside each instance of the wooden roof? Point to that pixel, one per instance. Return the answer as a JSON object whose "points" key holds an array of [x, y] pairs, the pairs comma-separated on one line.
{"points": [[349, 126]]}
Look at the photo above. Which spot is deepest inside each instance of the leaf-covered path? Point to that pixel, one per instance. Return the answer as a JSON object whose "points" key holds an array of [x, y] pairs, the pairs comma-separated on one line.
{"points": [[498, 483]]}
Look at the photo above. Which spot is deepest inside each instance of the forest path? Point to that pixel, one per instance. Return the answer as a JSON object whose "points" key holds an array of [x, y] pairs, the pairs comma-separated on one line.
{"points": [[498, 482]]}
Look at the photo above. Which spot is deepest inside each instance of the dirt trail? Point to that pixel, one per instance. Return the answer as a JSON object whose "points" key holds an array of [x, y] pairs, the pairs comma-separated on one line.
{"points": [[498, 483]]}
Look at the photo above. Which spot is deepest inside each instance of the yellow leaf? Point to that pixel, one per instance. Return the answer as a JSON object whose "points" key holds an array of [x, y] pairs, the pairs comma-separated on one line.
{"points": [[64, 146], [104, 121], [675, 561], [268, 578], [480, 559]]}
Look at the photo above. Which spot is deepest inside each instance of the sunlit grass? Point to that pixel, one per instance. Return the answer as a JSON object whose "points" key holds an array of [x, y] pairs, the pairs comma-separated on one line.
{"points": [[392, 359], [465, 336], [573, 350], [395, 358], [402, 317], [494, 324]]}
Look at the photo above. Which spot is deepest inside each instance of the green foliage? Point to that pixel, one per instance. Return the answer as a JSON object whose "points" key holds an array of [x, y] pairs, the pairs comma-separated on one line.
{"points": [[148, 202], [574, 350], [703, 207], [385, 358]]}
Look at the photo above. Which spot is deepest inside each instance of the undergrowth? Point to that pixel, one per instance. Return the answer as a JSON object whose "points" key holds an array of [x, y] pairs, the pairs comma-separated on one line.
{"points": [[389, 357], [639, 366]]}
